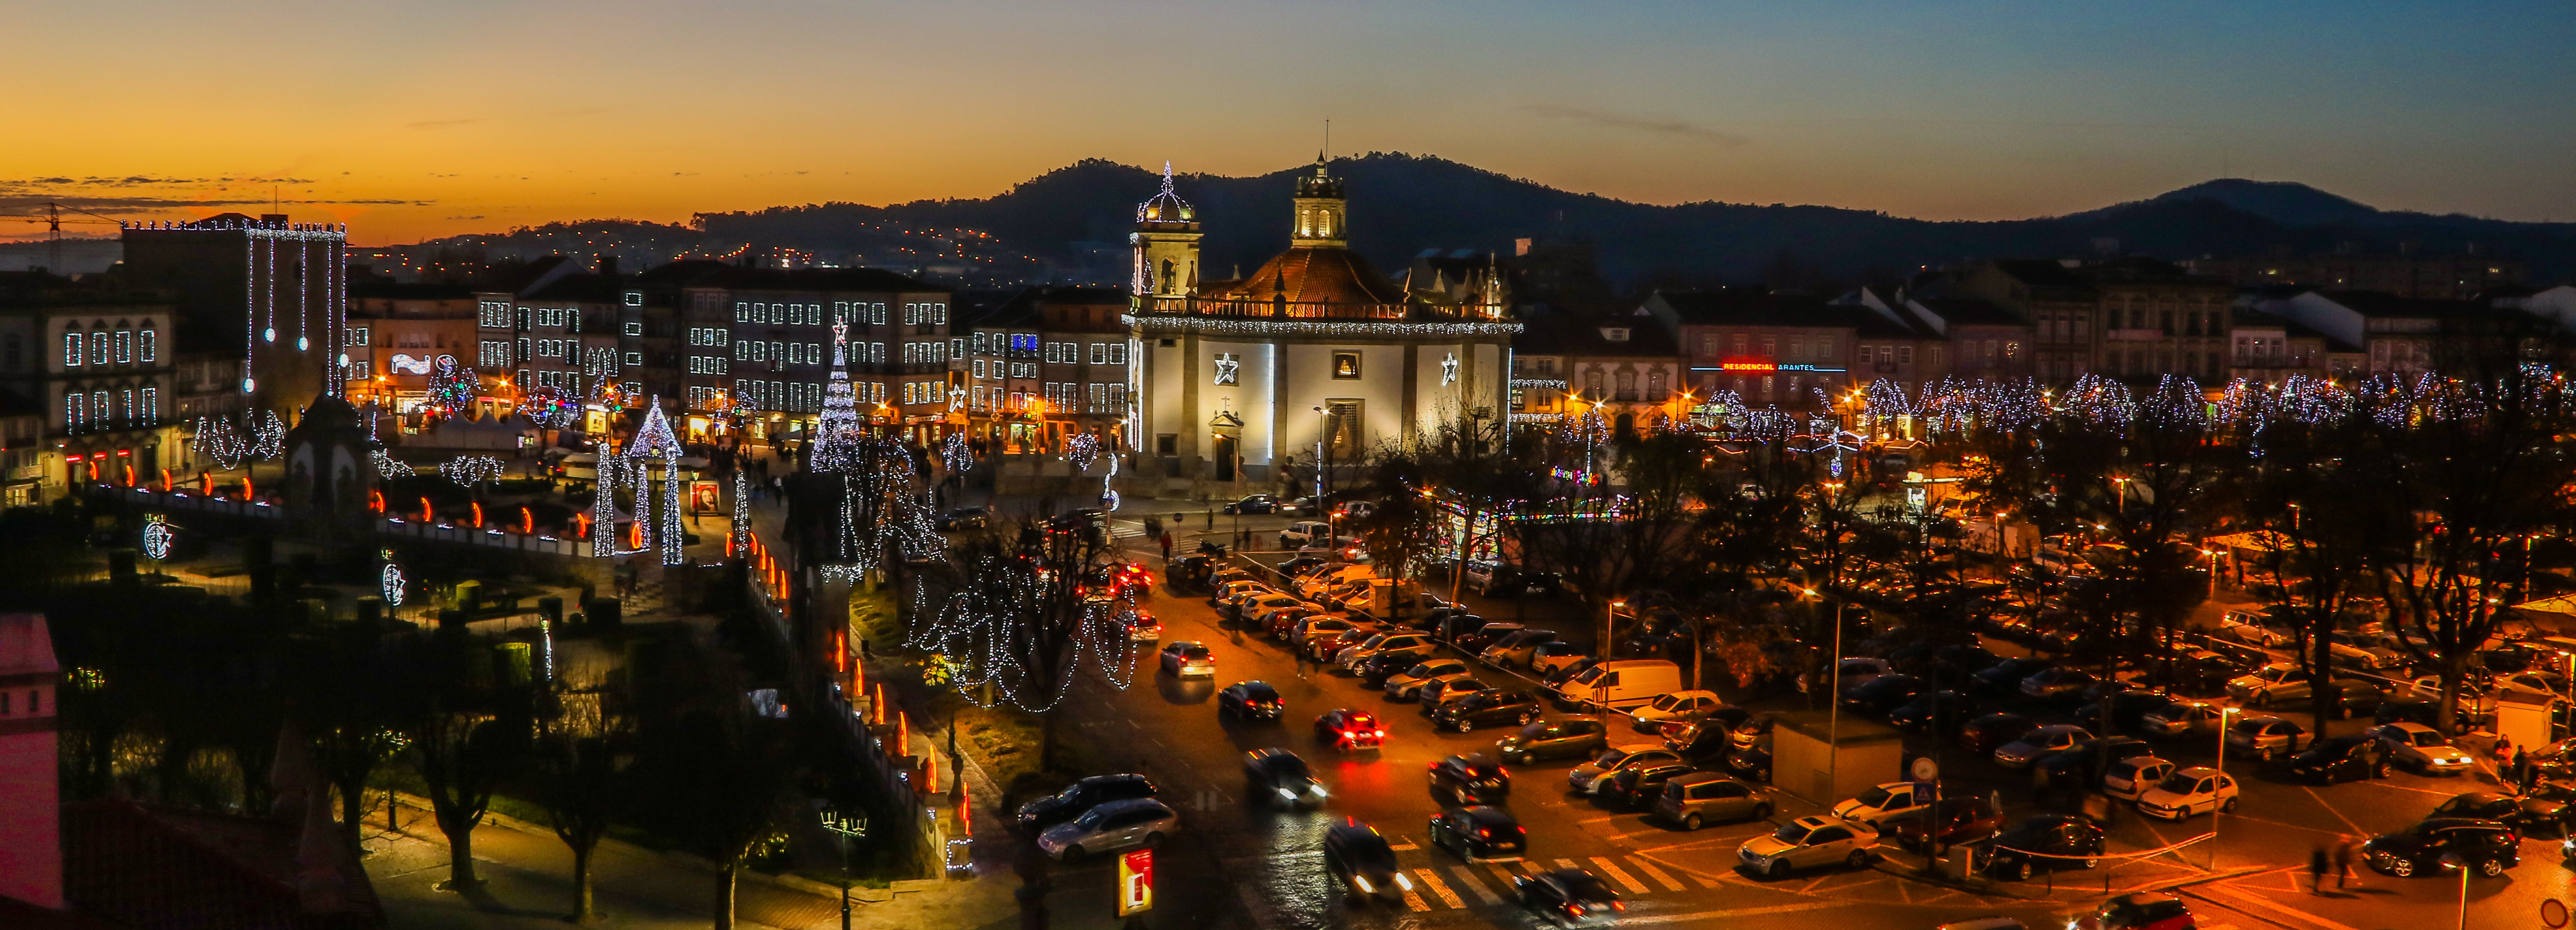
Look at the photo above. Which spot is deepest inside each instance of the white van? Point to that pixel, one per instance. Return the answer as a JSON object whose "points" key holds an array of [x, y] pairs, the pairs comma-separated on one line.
{"points": [[1623, 683]]}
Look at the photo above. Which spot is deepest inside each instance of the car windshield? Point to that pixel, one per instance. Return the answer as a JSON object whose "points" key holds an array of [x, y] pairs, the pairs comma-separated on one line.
{"points": [[1794, 831], [1092, 818], [2426, 738], [1422, 670], [1261, 693], [1611, 757], [2179, 783], [1876, 797], [1286, 764]]}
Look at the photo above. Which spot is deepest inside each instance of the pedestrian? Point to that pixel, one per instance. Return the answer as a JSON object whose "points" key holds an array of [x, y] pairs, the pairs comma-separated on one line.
{"points": [[2503, 760], [1167, 547], [1211, 519], [2317, 863], [2525, 771], [2343, 860]]}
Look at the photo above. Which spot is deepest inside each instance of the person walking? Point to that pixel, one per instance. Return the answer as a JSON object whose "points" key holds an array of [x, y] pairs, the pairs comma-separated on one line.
{"points": [[2343, 860], [2317, 863], [2503, 761], [2525, 771], [1167, 547]]}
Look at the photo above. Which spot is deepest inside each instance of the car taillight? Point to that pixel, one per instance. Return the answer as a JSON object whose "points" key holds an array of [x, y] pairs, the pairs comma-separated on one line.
{"points": [[1488, 834], [1618, 905]]}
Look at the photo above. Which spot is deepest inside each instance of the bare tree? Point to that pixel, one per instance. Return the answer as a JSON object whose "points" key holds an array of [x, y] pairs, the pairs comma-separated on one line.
{"points": [[718, 776], [470, 728], [2312, 497], [582, 773], [1018, 605]]}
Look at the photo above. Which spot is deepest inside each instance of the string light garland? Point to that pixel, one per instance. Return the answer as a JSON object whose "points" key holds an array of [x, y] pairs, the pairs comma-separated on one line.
{"points": [[654, 440], [388, 467], [470, 470], [452, 387], [259, 436], [390, 579], [157, 536]]}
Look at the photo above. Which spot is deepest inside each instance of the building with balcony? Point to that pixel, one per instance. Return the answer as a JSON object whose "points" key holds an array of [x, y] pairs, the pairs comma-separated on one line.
{"points": [[93, 358]]}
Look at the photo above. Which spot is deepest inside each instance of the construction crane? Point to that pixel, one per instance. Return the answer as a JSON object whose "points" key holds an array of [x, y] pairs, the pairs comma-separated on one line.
{"points": [[52, 217]]}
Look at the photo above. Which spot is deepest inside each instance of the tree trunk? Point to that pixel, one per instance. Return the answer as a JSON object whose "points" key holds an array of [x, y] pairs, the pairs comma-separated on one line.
{"points": [[724, 894], [581, 909], [460, 855], [352, 807], [1046, 742]]}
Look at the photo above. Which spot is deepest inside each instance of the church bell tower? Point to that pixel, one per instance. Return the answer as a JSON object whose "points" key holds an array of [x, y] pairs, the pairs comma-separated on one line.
{"points": [[1166, 243], [1321, 211]]}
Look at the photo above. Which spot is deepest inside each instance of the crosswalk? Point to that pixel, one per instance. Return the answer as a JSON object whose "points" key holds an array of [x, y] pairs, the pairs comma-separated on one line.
{"points": [[1441, 882]]}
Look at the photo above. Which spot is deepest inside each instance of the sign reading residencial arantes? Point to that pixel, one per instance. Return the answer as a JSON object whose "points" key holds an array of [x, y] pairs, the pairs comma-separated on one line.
{"points": [[1135, 882]]}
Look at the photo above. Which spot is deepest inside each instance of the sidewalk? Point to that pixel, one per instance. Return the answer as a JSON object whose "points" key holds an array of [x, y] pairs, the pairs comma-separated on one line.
{"points": [[528, 885]]}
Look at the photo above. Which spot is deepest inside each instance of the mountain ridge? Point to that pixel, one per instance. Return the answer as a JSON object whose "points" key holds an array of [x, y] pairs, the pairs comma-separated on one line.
{"points": [[1069, 224]]}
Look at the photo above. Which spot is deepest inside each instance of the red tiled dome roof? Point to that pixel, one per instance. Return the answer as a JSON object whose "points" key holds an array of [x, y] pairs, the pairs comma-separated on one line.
{"points": [[1312, 275]]}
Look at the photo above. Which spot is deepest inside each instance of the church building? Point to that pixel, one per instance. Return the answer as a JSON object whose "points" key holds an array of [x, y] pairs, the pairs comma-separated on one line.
{"points": [[1241, 384]]}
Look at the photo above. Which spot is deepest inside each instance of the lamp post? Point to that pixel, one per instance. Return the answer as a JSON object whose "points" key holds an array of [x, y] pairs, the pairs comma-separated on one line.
{"points": [[2214, 814], [1607, 650], [1322, 422], [846, 832]]}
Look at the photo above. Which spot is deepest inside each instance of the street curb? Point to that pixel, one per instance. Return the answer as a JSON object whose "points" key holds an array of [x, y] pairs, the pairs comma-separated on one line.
{"points": [[1998, 889]]}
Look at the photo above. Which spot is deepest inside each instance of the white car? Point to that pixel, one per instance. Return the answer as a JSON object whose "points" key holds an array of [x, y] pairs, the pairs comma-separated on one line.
{"points": [[1549, 657], [1186, 659], [1881, 802], [1807, 842], [2195, 790], [2423, 749], [1304, 532], [1678, 705], [2130, 778], [1110, 827], [2254, 630]]}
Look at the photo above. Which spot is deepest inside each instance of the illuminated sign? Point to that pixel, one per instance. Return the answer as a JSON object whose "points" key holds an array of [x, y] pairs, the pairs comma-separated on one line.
{"points": [[1135, 882], [1748, 364]]}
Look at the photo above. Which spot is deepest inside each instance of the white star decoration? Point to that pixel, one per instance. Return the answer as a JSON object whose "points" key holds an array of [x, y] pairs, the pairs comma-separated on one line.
{"points": [[1226, 369], [1449, 370]]}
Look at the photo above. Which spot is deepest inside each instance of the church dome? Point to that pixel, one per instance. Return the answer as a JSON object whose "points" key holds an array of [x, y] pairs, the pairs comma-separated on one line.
{"points": [[1305, 275], [1166, 206], [1320, 184]]}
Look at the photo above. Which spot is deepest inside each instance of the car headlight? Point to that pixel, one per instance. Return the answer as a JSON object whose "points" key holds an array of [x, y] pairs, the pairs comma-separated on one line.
{"points": [[1363, 882], [1320, 792], [1403, 882], [1287, 795]]}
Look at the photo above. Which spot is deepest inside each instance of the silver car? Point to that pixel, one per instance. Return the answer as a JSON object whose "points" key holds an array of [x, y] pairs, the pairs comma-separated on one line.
{"points": [[1186, 659], [2424, 749], [1405, 685], [1590, 776], [2268, 737], [1111, 827], [1808, 842], [2181, 717], [2020, 753]]}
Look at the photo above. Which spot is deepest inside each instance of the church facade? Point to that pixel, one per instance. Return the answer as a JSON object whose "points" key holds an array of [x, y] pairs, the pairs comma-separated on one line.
{"points": [[1245, 384]]}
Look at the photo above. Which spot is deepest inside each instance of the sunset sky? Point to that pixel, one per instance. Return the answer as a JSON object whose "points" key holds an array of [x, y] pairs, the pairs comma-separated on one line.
{"points": [[419, 119]]}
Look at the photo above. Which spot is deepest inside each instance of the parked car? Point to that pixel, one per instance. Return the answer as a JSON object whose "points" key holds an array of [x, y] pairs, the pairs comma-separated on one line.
{"points": [[2056, 683], [2082, 765], [1476, 640], [1883, 694], [1678, 705], [2128, 710], [1080, 797], [1573, 737], [1365, 861], [1699, 797], [1110, 827], [1304, 533], [1622, 683], [1882, 801], [2423, 749], [1350, 730], [2005, 677], [1470, 779], [2047, 740], [2131, 777], [2180, 717], [2047, 842], [1187, 659], [2267, 737], [1280, 777], [1990, 732], [2254, 630], [1480, 834], [1517, 649], [2273, 685], [1638, 787], [1752, 763], [1939, 713], [1587, 778], [1407, 644], [1808, 842], [1550, 658], [2540, 812], [2488, 846], [1407, 685], [1492, 707], [2145, 910], [2195, 790], [965, 518], [1251, 700], [1946, 822], [1569, 897], [1852, 672], [1448, 689]]}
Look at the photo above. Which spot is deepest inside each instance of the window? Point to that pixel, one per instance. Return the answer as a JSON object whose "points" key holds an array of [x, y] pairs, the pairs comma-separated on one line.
{"points": [[1118, 353], [1100, 353], [1346, 365], [635, 358], [1825, 348], [1342, 428], [1905, 355], [98, 347], [1770, 347], [1167, 444], [72, 349], [635, 327], [941, 311], [151, 405], [957, 347], [979, 368], [979, 343]]}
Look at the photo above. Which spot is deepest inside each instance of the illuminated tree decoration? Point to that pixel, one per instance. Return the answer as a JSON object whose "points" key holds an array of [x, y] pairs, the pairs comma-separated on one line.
{"points": [[157, 535], [391, 579], [956, 454], [452, 387], [836, 448], [741, 512], [654, 440], [389, 467], [550, 407], [469, 470], [259, 436], [603, 508]]}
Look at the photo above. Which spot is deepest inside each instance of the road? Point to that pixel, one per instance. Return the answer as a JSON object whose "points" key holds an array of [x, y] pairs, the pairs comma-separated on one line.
{"points": [[1241, 864]]}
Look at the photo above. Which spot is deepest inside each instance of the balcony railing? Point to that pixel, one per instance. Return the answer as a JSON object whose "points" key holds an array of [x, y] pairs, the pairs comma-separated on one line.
{"points": [[1268, 309]]}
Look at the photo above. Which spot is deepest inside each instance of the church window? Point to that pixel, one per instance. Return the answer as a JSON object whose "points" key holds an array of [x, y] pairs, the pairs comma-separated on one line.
{"points": [[1342, 424], [1346, 365]]}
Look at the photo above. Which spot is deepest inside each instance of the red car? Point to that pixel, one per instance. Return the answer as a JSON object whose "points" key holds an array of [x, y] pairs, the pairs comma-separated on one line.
{"points": [[1325, 650], [1987, 733], [1949, 821], [2142, 911], [1350, 730], [1134, 577]]}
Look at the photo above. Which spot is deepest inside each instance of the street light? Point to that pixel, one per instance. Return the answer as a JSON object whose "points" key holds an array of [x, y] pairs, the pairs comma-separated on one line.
{"points": [[2214, 813]]}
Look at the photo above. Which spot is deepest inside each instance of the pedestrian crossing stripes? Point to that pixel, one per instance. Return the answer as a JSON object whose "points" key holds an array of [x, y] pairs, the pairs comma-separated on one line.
{"points": [[1467, 880], [1656, 874], [1452, 885], [1616, 874], [1432, 880]]}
